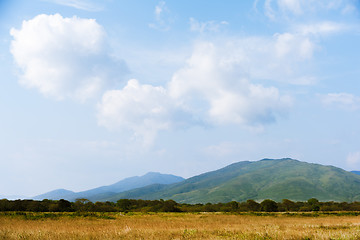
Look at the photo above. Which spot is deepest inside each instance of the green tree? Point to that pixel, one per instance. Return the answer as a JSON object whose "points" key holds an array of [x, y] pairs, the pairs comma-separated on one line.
{"points": [[288, 205], [170, 206], [234, 206], [253, 206], [209, 207], [269, 205], [314, 204], [123, 205], [64, 205], [82, 205]]}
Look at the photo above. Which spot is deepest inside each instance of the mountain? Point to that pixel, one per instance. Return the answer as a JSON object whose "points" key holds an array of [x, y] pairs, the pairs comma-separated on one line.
{"points": [[55, 194], [275, 179], [110, 190], [356, 172]]}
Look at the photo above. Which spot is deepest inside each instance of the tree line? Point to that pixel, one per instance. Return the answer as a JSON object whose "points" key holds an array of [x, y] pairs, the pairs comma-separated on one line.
{"points": [[138, 205]]}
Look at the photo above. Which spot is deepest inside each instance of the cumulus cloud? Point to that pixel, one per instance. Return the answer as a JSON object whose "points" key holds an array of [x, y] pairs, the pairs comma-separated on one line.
{"points": [[345, 101], [211, 88], [219, 84], [208, 26], [145, 109], [63, 57], [163, 17], [213, 85]]}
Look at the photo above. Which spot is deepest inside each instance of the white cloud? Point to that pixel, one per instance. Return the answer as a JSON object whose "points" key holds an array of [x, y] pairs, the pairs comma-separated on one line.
{"points": [[282, 57], [213, 85], [285, 9], [345, 101], [269, 12], [208, 26], [210, 88], [163, 17], [321, 28], [304, 80], [216, 86], [294, 6], [288, 56], [78, 4], [353, 159], [63, 57], [291, 44], [144, 109]]}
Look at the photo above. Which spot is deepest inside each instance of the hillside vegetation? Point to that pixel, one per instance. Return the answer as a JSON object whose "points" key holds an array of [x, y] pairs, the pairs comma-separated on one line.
{"points": [[275, 179]]}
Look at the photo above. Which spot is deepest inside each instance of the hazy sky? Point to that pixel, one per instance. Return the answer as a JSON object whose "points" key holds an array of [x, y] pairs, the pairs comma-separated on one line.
{"points": [[96, 91]]}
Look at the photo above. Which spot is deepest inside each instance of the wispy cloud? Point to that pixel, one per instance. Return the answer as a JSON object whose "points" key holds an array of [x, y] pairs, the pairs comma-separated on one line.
{"points": [[208, 26], [277, 10], [79, 4], [163, 18], [321, 28], [345, 101]]}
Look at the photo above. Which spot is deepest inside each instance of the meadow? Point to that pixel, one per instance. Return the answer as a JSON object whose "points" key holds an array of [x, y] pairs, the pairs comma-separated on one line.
{"points": [[31, 225]]}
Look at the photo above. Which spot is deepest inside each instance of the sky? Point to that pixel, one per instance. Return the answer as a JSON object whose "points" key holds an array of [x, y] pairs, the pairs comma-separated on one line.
{"points": [[96, 91]]}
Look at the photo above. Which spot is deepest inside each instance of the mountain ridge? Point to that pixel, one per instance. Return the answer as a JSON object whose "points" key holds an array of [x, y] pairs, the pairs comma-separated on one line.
{"points": [[276, 179], [120, 186]]}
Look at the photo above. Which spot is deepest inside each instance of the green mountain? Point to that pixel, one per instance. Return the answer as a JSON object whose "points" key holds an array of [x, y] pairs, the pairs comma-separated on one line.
{"points": [[275, 179]]}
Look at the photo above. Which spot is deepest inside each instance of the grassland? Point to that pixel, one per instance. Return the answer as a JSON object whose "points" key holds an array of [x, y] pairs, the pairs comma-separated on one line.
{"points": [[178, 226]]}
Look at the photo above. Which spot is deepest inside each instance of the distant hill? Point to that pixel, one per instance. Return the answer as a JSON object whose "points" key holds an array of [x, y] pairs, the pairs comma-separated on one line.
{"points": [[55, 194], [276, 179], [110, 190], [356, 172]]}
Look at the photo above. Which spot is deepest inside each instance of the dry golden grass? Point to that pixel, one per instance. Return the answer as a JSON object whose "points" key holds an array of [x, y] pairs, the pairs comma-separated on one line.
{"points": [[181, 226]]}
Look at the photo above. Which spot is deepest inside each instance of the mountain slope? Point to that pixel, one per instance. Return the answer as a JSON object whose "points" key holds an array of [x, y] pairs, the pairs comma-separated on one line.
{"points": [[276, 179], [55, 194], [110, 190], [127, 184]]}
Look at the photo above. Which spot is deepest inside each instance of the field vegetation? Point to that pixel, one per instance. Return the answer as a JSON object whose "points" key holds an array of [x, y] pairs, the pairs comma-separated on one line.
{"points": [[75, 225], [138, 205], [167, 219]]}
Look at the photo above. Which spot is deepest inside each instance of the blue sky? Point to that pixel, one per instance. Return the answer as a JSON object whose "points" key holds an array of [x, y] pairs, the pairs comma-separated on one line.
{"points": [[96, 91]]}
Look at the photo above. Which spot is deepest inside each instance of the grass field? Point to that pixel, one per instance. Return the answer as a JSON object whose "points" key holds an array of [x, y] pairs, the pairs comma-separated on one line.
{"points": [[177, 226]]}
